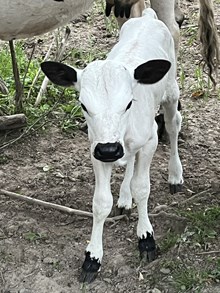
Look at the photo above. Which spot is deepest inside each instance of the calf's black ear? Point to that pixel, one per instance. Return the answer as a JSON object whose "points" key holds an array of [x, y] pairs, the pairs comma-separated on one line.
{"points": [[59, 73], [151, 71]]}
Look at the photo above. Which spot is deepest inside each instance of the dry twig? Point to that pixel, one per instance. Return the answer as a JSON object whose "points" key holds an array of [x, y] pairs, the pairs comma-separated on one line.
{"points": [[194, 197], [39, 71], [79, 212], [49, 205], [60, 52], [209, 252]]}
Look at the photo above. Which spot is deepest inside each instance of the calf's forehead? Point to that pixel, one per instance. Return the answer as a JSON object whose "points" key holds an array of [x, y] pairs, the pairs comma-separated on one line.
{"points": [[105, 85]]}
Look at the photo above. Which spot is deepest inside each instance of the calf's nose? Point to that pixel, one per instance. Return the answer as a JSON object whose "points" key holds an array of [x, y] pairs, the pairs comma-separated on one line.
{"points": [[108, 152]]}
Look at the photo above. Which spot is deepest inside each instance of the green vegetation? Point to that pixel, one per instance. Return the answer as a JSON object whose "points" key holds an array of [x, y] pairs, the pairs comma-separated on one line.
{"points": [[205, 225], [56, 102], [191, 256], [58, 105], [4, 159], [34, 236], [168, 242]]}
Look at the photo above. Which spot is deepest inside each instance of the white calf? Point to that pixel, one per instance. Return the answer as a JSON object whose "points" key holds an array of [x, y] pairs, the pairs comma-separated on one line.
{"points": [[119, 98]]}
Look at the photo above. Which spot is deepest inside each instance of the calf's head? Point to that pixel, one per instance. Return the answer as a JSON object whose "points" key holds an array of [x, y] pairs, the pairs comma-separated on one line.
{"points": [[106, 96]]}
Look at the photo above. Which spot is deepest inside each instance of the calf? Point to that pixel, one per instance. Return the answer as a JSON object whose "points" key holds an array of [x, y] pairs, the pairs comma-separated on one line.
{"points": [[119, 98]]}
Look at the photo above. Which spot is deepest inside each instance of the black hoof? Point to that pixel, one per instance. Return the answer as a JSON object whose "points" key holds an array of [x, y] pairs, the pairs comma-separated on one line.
{"points": [[180, 21], [161, 125], [174, 188], [147, 248], [90, 269], [121, 10], [108, 9], [121, 211], [161, 130]]}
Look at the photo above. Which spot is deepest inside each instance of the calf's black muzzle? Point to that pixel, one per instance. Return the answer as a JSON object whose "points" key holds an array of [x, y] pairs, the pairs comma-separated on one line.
{"points": [[108, 152]]}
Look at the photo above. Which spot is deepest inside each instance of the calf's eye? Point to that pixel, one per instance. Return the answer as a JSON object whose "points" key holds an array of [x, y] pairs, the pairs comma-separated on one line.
{"points": [[129, 105], [84, 107]]}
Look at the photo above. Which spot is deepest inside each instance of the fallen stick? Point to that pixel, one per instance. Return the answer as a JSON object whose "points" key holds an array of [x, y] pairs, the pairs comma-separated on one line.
{"points": [[194, 197], [60, 52], [71, 211], [39, 70], [58, 207], [209, 252], [45, 204]]}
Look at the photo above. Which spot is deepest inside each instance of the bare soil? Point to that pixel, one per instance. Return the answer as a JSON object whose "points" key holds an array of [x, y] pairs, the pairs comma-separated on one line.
{"points": [[42, 251]]}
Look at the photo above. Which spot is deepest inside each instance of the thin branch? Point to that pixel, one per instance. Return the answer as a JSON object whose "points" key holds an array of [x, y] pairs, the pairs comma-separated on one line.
{"points": [[194, 197], [209, 252], [41, 91], [71, 211], [160, 208], [39, 70], [29, 62], [18, 85], [168, 215], [2, 277], [45, 204], [49, 205], [60, 52]]}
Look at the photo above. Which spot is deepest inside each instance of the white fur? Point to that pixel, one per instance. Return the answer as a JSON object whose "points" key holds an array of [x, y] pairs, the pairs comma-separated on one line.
{"points": [[106, 89]]}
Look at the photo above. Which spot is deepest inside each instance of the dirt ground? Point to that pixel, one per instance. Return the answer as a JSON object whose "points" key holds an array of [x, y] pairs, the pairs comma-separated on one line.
{"points": [[41, 251]]}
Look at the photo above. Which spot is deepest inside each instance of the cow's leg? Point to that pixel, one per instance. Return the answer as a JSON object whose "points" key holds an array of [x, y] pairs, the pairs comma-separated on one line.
{"points": [[140, 188], [125, 198], [136, 11], [166, 12], [102, 205], [179, 16], [173, 120]]}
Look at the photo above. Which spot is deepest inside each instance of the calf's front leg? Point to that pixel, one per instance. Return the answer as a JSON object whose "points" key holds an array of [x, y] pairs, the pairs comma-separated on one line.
{"points": [[102, 205], [140, 188]]}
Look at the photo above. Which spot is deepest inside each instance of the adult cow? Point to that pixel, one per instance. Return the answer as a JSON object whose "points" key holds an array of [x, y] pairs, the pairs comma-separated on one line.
{"points": [[24, 19]]}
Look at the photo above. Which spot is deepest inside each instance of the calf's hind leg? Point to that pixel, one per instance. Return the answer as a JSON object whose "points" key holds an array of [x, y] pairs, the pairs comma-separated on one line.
{"points": [[173, 120], [140, 188]]}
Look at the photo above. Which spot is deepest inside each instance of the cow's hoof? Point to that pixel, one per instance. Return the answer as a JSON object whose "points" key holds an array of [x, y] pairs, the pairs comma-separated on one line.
{"points": [[122, 10], [147, 248], [90, 269], [174, 188], [108, 9], [180, 19]]}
